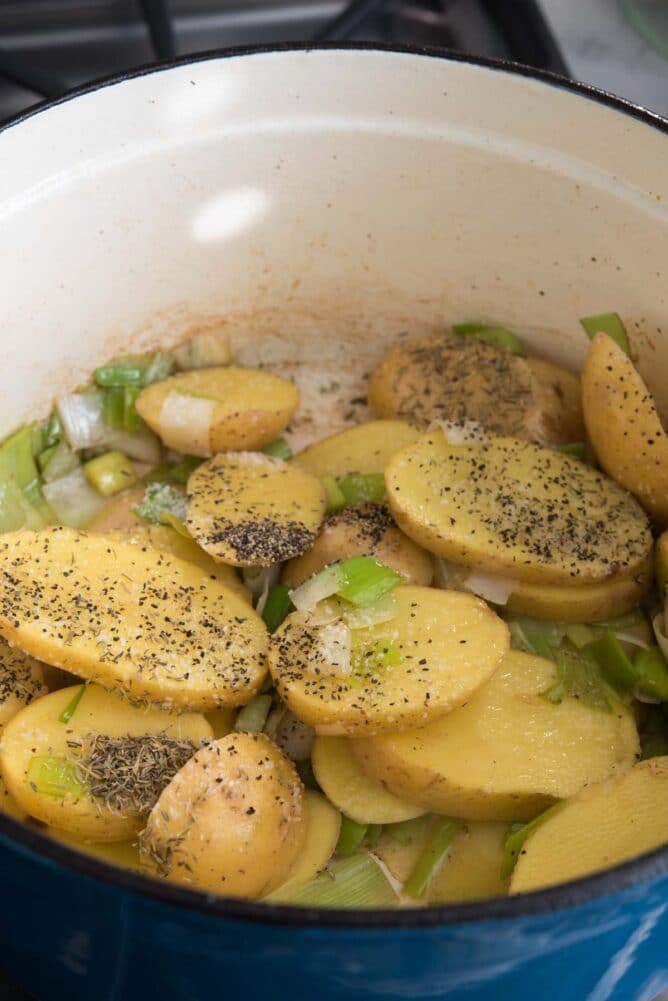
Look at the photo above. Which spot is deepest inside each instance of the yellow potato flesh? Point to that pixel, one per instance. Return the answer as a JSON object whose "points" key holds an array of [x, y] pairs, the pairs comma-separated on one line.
{"points": [[345, 784], [624, 426], [250, 509], [248, 409], [366, 448], [443, 645], [322, 834], [233, 820], [119, 512], [130, 618], [124, 854], [513, 508], [21, 681], [363, 530], [601, 827], [8, 804], [557, 398], [508, 753], [661, 562], [38, 732]]}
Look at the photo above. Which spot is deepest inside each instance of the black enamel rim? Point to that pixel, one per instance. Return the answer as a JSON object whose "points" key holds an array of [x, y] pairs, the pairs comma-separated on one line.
{"points": [[39, 848]]}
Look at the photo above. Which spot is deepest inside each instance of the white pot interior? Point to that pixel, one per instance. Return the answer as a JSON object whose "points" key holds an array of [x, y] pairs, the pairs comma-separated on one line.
{"points": [[319, 204]]}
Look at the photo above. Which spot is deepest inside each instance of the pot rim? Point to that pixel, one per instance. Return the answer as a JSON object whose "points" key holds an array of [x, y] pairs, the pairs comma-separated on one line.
{"points": [[643, 869]]}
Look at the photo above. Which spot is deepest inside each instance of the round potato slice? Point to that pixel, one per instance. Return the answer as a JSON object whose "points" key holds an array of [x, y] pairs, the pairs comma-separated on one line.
{"points": [[601, 827], [100, 773], [366, 448], [232, 821], [322, 834], [444, 377], [439, 647], [363, 530], [250, 509], [8, 804], [341, 778], [130, 618], [21, 681], [625, 429], [124, 854], [119, 512], [510, 507], [215, 409], [509, 752]]}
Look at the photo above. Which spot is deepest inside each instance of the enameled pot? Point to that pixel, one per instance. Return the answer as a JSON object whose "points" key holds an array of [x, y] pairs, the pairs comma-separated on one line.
{"points": [[319, 203]]}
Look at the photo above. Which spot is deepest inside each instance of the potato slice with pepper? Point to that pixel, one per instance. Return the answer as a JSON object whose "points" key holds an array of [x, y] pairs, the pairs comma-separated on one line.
{"points": [[214, 409], [362, 530], [364, 449], [509, 752], [232, 821], [322, 834], [250, 509], [602, 826], [21, 681], [98, 773], [509, 507], [444, 377], [434, 652], [131, 618], [629, 439]]}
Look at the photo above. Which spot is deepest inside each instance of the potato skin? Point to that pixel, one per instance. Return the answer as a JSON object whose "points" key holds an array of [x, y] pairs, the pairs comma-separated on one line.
{"points": [[624, 426], [252, 407], [233, 820], [365, 448], [508, 753], [602, 826], [363, 530]]}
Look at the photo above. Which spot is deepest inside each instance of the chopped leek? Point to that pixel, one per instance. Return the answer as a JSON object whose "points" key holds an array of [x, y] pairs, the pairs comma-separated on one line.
{"points": [[17, 464], [431, 857], [159, 367], [351, 836], [500, 336], [276, 606], [132, 422], [361, 488], [203, 351], [113, 407], [51, 431], [180, 472], [651, 670], [368, 658], [373, 833], [613, 661], [576, 448], [335, 499], [580, 634], [515, 838], [57, 461], [356, 882], [16, 511], [366, 580], [579, 678], [54, 777], [160, 499], [535, 636], [127, 370], [252, 717], [73, 499], [406, 830], [110, 473], [610, 324], [71, 707], [625, 621], [279, 448]]}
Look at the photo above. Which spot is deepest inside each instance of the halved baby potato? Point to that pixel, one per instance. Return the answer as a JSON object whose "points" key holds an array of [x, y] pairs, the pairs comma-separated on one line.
{"points": [[509, 507], [233, 820], [363, 799], [362, 530], [98, 774], [444, 377], [21, 681], [322, 834], [130, 618], [508, 753], [600, 827], [625, 429], [365, 449], [250, 509], [429, 658], [215, 409]]}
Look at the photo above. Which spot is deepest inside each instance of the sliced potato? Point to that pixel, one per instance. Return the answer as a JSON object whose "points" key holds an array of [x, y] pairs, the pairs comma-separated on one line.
{"points": [[21, 681], [232, 821], [513, 508], [363, 530], [124, 854], [363, 799], [215, 409], [439, 647], [250, 509], [365, 448], [322, 834], [119, 513], [104, 740], [444, 377], [661, 562], [508, 753], [221, 721], [602, 826], [130, 618], [8, 804], [625, 429]]}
